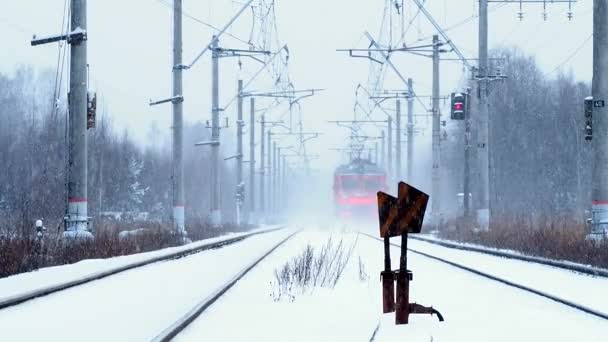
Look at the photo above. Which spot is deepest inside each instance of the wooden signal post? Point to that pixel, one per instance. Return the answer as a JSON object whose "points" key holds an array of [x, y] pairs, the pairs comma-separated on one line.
{"points": [[399, 217]]}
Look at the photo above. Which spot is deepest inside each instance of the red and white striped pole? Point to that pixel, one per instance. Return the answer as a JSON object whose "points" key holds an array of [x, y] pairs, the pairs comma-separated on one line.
{"points": [[76, 220]]}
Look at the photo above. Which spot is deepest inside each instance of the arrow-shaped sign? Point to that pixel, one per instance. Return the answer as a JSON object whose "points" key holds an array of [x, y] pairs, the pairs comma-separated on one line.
{"points": [[404, 214]]}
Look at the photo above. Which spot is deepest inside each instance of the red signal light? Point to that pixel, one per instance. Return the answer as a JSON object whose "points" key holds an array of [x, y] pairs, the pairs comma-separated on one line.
{"points": [[458, 106]]}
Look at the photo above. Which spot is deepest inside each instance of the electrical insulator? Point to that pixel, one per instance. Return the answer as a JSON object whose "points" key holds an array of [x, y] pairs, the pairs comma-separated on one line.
{"points": [[589, 118]]}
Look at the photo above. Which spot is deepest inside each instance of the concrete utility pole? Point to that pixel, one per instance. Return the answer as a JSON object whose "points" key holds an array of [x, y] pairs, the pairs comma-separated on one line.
{"points": [[269, 189], [177, 99], [275, 178], [240, 186], [383, 151], [252, 158], [178, 123], [284, 189], [376, 153], [77, 218], [216, 213], [436, 195], [600, 119], [467, 158], [410, 129], [481, 133], [482, 199], [272, 146], [389, 150], [262, 167], [398, 173]]}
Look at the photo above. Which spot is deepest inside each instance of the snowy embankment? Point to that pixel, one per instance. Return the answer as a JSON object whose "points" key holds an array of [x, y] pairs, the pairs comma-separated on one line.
{"points": [[29, 282], [134, 305], [475, 308]]}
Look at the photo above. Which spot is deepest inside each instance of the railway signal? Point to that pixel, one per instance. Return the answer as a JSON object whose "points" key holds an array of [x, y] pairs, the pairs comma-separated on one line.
{"points": [[459, 106], [91, 109], [589, 118], [399, 217]]}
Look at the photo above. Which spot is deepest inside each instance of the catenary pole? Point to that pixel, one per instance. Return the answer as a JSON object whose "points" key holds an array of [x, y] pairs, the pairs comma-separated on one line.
{"points": [[436, 186], [398, 173], [270, 175], [600, 119], [239, 153], [216, 214], [482, 199], [262, 168], [389, 149], [376, 153], [410, 129], [178, 123], [382, 150], [284, 190], [252, 207], [275, 178], [77, 216], [467, 158]]}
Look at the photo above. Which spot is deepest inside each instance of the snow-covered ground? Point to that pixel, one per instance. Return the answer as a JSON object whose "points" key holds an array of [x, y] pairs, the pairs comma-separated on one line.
{"points": [[52, 276], [131, 306], [138, 304], [475, 308], [584, 289], [249, 313]]}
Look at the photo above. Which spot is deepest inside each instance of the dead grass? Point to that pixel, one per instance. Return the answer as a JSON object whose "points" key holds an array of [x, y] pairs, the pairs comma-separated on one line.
{"points": [[310, 269], [554, 239], [20, 254]]}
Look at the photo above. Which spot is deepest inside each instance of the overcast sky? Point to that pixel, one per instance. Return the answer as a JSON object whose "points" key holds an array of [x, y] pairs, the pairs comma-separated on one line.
{"points": [[130, 53]]}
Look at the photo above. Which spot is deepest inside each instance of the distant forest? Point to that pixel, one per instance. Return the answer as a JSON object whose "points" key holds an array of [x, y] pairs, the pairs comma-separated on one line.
{"points": [[540, 162], [123, 176]]}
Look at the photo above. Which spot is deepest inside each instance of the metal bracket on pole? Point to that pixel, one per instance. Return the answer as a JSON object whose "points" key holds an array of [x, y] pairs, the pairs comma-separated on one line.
{"points": [[174, 99], [208, 143], [75, 37], [233, 157]]}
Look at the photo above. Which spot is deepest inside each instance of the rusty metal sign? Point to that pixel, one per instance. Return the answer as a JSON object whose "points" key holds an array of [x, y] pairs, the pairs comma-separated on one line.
{"points": [[403, 214], [398, 217]]}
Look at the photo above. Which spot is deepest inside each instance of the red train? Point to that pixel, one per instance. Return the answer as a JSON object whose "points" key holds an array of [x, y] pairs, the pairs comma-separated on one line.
{"points": [[355, 187]]}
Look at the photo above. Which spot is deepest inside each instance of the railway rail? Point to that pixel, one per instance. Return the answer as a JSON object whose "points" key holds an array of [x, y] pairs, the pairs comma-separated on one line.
{"points": [[183, 322], [45, 291], [505, 281], [566, 265]]}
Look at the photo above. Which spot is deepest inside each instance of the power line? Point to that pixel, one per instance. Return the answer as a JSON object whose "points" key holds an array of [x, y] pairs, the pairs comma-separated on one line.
{"points": [[571, 56], [193, 18], [464, 21]]}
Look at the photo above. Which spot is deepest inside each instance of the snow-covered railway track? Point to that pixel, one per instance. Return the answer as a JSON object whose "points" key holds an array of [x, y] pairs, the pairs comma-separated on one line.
{"points": [[183, 322], [570, 266], [506, 281], [52, 289]]}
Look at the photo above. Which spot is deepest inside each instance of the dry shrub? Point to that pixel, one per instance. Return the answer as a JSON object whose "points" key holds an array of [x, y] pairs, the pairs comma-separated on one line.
{"points": [[560, 239], [200, 231], [14, 255], [20, 254], [363, 275], [310, 269]]}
